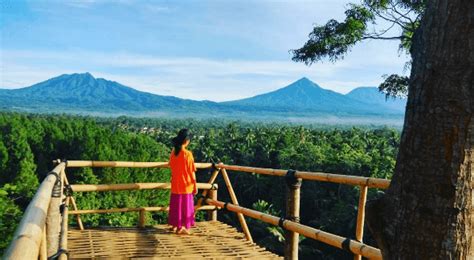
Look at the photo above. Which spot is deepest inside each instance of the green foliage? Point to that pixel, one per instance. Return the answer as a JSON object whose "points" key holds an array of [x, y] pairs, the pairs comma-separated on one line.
{"points": [[28, 143], [394, 86], [269, 236], [10, 214], [334, 39]]}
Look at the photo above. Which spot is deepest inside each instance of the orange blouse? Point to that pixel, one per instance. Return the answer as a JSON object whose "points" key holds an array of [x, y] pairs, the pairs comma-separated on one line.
{"points": [[183, 179]]}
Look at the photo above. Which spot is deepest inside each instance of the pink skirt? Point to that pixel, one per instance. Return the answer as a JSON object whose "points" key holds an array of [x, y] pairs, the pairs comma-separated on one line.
{"points": [[181, 212]]}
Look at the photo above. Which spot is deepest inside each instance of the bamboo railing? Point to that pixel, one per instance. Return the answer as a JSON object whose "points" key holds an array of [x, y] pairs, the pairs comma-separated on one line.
{"points": [[31, 236], [43, 232], [129, 186], [315, 176], [328, 238], [293, 199]]}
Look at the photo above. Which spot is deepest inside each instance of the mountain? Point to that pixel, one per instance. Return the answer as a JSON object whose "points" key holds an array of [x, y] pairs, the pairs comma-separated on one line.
{"points": [[301, 101], [306, 96], [84, 92], [372, 95]]}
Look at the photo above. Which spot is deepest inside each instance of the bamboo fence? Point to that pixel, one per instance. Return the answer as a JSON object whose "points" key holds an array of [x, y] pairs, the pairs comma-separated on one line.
{"points": [[42, 226], [31, 233], [328, 238]]}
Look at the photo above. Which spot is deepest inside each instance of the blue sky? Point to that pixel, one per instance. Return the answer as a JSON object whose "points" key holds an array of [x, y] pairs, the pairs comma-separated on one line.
{"points": [[215, 50]]}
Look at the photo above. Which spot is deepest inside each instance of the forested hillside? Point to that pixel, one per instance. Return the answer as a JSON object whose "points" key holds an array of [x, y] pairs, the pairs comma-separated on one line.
{"points": [[28, 144], [302, 101]]}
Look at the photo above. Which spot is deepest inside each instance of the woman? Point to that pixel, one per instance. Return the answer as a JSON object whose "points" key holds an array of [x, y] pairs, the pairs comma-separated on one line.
{"points": [[183, 184]]}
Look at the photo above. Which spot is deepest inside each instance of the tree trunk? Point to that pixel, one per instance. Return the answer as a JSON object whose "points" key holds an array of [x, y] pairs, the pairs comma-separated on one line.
{"points": [[427, 211]]}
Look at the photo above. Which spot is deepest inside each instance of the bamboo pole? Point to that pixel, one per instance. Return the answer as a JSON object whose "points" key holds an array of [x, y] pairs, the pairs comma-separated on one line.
{"points": [[53, 218], [345, 179], [141, 218], [64, 228], [266, 171], [361, 217], [293, 186], [128, 186], [74, 205], [117, 164], [241, 218], [43, 254], [78, 217], [325, 237], [211, 180], [28, 235], [118, 210], [316, 176], [212, 214]]}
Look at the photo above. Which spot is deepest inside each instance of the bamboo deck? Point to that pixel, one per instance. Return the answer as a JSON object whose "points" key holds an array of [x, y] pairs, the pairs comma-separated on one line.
{"points": [[210, 239]]}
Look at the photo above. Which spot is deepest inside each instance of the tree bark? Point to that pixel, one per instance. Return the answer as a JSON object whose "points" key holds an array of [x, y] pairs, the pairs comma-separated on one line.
{"points": [[427, 212]]}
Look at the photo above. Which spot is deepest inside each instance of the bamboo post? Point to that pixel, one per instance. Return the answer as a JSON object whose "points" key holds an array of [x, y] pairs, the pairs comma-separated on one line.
{"points": [[361, 217], [211, 181], [240, 216], [78, 217], [74, 205], [141, 218], [293, 186], [212, 215], [64, 229], [26, 241]]}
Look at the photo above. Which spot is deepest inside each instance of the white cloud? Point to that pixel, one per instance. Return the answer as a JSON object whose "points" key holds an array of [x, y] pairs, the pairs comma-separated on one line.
{"points": [[191, 77]]}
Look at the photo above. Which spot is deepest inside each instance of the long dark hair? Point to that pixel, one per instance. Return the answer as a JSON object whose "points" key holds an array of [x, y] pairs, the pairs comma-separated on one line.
{"points": [[179, 140]]}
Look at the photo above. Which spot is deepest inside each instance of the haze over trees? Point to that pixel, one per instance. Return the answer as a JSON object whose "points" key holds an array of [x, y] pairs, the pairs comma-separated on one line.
{"points": [[302, 100]]}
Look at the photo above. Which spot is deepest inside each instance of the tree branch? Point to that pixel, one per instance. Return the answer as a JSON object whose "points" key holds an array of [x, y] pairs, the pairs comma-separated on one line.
{"points": [[382, 38], [394, 20], [394, 9], [383, 31]]}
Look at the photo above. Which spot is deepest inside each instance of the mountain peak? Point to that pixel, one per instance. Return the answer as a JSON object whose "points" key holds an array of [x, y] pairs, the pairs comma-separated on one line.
{"points": [[85, 75], [303, 83], [304, 79], [83, 91], [372, 95]]}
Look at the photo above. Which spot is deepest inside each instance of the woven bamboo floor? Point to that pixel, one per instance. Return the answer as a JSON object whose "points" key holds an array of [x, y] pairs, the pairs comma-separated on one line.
{"points": [[210, 239]]}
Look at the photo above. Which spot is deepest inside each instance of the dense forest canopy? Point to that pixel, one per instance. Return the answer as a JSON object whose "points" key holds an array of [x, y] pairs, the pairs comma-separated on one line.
{"points": [[29, 143]]}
